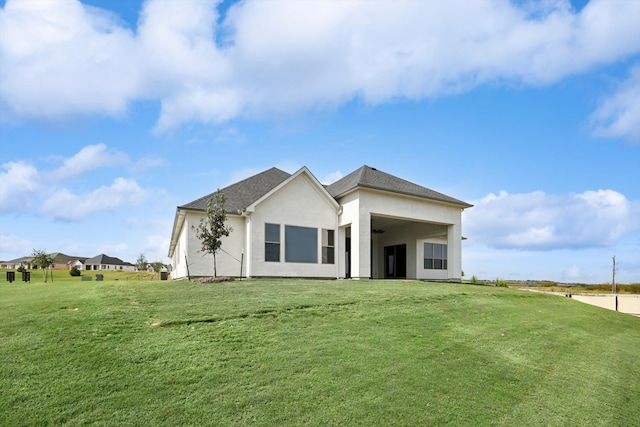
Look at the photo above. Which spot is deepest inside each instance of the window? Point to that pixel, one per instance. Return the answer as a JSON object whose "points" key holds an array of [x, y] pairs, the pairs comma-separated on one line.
{"points": [[272, 242], [300, 244], [435, 256], [328, 247]]}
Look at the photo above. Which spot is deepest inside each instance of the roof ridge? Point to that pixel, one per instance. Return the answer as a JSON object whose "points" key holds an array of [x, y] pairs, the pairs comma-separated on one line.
{"points": [[373, 178], [361, 171], [208, 196], [241, 194]]}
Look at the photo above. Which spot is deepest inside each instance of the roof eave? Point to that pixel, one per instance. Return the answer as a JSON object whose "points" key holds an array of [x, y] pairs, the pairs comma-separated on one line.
{"points": [[458, 203], [178, 220]]}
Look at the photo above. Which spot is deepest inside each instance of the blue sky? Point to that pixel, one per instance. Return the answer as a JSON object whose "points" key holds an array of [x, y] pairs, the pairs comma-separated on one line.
{"points": [[114, 113]]}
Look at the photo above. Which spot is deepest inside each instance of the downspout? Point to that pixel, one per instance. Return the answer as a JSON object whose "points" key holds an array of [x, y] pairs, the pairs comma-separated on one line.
{"points": [[337, 255], [247, 242]]}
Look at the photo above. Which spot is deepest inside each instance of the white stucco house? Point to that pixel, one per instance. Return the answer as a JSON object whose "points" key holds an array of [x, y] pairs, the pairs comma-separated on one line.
{"points": [[369, 224], [104, 262]]}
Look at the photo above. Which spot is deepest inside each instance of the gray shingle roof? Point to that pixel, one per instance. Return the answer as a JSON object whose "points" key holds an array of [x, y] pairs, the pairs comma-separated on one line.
{"points": [[105, 259], [368, 177], [242, 194], [61, 258]]}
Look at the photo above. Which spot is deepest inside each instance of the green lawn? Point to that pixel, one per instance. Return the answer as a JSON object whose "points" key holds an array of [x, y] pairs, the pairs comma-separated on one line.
{"points": [[311, 353]]}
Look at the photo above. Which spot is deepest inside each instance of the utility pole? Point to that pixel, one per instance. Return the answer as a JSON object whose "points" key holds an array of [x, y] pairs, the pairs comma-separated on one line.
{"points": [[613, 276]]}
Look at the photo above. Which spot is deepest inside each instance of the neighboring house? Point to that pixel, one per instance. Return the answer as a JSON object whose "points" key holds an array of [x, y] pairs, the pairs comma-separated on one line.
{"points": [[14, 264], [104, 262], [64, 262], [60, 262], [78, 263], [368, 224]]}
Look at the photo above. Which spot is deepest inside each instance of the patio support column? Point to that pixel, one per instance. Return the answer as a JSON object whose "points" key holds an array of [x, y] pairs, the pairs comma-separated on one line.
{"points": [[454, 252], [362, 252]]}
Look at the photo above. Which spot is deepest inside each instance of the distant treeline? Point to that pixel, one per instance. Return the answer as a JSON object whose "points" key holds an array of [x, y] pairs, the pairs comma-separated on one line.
{"points": [[578, 287]]}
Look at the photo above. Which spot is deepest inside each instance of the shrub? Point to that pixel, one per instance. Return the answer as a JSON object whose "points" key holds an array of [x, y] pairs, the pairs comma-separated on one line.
{"points": [[74, 271], [501, 283], [21, 269], [474, 280]]}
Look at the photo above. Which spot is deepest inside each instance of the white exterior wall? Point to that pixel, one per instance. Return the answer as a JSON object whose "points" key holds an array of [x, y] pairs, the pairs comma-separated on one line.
{"points": [[299, 203], [110, 267], [201, 264], [350, 217], [434, 274], [364, 203]]}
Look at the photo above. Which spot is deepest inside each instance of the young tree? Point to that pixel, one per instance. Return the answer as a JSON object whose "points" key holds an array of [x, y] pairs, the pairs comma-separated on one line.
{"points": [[157, 266], [212, 228], [141, 262], [43, 261]]}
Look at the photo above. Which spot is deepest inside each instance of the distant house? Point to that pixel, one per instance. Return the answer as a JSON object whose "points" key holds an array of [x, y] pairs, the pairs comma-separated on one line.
{"points": [[60, 262], [369, 224], [64, 262], [16, 263], [78, 263], [104, 262]]}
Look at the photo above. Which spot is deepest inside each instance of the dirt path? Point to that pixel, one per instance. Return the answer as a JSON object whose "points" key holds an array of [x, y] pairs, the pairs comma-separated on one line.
{"points": [[629, 304]]}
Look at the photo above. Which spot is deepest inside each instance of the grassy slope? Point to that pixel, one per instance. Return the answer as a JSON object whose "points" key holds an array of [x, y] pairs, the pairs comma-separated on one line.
{"points": [[313, 353]]}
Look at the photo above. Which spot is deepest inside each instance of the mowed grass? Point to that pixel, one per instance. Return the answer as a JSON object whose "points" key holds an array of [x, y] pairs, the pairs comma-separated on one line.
{"points": [[313, 353]]}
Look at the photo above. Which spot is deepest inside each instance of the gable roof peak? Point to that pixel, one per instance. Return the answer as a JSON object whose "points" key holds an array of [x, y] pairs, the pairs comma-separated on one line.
{"points": [[372, 178], [243, 193]]}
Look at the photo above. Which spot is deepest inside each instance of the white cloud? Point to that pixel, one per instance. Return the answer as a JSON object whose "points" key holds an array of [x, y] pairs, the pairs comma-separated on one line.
{"points": [[60, 59], [198, 104], [332, 177], [156, 248], [230, 136], [87, 159], [619, 114], [12, 247], [63, 204], [24, 188], [18, 184], [147, 163], [538, 221]]}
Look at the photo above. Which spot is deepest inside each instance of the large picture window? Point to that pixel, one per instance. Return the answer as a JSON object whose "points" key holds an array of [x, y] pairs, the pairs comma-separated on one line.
{"points": [[328, 246], [435, 256], [272, 242], [300, 244]]}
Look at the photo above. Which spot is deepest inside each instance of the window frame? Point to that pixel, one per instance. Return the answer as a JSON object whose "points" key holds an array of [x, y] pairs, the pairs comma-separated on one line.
{"points": [[296, 248], [436, 257], [268, 242], [328, 246]]}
